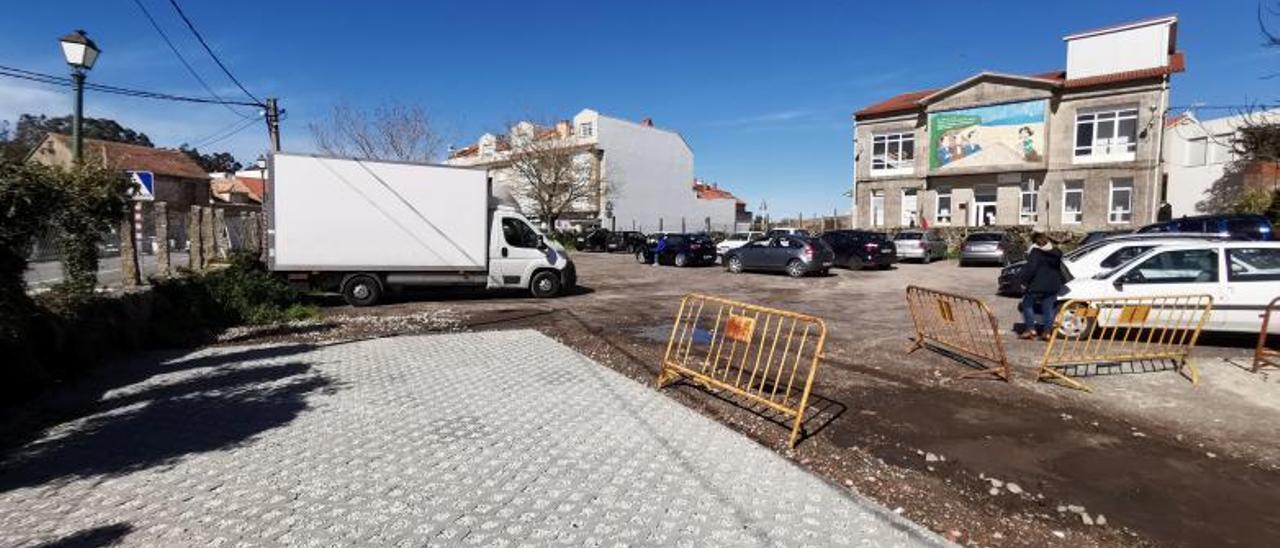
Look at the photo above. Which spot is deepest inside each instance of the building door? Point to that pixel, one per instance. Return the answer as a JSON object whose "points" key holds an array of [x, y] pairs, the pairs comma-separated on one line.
{"points": [[984, 206], [910, 207], [877, 208]]}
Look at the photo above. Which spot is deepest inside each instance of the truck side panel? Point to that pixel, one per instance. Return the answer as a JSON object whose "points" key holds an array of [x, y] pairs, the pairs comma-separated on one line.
{"points": [[337, 214]]}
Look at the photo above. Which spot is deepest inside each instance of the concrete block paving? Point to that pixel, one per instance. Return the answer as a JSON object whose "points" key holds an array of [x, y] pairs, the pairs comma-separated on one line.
{"points": [[478, 439]]}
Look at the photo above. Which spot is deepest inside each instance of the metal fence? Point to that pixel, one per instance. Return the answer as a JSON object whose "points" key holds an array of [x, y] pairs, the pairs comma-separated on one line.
{"points": [[1264, 355], [766, 355], [958, 325], [1124, 334]]}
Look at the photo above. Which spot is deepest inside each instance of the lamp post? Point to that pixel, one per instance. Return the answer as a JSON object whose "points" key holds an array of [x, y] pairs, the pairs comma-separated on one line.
{"points": [[80, 53]]}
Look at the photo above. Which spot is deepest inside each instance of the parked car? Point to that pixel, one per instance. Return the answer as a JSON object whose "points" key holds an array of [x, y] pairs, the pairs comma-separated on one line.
{"points": [[990, 248], [737, 240], [594, 239], [1095, 235], [859, 249], [785, 230], [794, 254], [1241, 276], [628, 241], [1238, 226], [681, 250], [920, 245], [1087, 260]]}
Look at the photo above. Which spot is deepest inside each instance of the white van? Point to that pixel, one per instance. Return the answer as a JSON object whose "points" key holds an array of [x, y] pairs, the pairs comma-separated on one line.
{"points": [[1242, 277]]}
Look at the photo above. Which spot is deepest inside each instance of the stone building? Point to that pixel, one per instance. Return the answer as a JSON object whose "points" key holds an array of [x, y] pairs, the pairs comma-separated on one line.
{"points": [[1074, 149]]}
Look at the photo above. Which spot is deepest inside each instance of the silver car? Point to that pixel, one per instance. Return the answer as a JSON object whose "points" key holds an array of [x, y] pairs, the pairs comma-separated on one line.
{"points": [[920, 245], [995, 248]]}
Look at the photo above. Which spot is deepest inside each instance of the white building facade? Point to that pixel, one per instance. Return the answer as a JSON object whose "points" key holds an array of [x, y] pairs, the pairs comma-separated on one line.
{"points": [[641, 176], [1197, 153]]}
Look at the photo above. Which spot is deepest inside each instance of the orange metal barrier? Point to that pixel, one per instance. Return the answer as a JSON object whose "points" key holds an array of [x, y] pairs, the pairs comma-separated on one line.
{"points": [[766, 355], [958, 324], [1262, 355], [1120, 330]]}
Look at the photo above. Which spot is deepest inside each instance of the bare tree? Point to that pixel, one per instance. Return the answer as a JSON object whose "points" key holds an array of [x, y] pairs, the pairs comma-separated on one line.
{"points": [[393, 131], [552, 171]]}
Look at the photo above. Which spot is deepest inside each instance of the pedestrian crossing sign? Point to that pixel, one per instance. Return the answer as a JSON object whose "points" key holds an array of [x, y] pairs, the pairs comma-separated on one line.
{"points": [[143, 186]]}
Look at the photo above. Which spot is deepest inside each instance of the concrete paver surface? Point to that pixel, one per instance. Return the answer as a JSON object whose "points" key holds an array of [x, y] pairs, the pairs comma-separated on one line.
{"points": [[499, 438]]}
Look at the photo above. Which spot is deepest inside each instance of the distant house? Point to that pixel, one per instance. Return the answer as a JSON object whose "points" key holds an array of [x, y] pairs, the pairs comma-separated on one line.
{"points": [[179, 181], [243, 193], [640, 174], [712, 192], [1198, 154]]}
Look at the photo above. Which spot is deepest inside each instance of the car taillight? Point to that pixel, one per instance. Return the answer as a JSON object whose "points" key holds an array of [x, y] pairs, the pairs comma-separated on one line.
{"points": [[923, 245], [808, 251], [872, 246]]}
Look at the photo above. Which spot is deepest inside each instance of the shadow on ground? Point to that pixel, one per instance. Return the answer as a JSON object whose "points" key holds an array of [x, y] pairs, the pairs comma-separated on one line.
{"points": [[216, 403], [107, 535]]}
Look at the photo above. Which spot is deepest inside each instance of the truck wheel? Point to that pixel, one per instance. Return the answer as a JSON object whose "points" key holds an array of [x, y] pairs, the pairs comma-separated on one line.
{"points": [[681, 260], [362, 290], [545, 284]]}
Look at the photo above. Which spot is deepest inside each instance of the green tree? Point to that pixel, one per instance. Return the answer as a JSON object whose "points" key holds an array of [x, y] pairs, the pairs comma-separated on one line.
{"points": [[212, 162], [91, 199]]}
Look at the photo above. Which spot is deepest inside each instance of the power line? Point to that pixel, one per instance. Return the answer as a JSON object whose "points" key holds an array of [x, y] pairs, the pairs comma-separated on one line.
{"points": [[177, 53], [225, 133], [195, 32], [13, 72]]}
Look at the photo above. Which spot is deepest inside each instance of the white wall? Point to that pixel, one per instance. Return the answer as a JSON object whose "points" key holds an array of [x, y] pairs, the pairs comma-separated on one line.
{"points": [[650, 172], [1109, 52], [1196, 154]]}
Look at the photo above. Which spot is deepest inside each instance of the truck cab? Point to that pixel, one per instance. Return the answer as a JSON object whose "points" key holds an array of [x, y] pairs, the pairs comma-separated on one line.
{"points": [[521, 256]]}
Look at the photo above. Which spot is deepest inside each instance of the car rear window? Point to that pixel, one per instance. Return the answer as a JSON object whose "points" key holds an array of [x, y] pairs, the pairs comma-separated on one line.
{"points": [[984, 237], [909, 236]]}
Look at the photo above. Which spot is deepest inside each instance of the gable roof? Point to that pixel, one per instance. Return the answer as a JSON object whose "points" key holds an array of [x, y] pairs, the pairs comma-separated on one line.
{"points": [[705, 191], [987, 75], [915, 100], [160, 161]]}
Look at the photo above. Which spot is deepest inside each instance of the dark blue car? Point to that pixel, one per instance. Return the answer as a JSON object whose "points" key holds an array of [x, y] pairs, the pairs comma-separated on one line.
{"points": [[1235, 226]]}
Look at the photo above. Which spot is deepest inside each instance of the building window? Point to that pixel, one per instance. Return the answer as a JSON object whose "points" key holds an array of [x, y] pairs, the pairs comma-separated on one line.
{"points": [[1027, 209], [1220, 152], [1120, 208], [1107, 135], [893, 153], [943, 210], [586, 129], [1073, 202], [910, 207], [1196, 149], [877, 208]]}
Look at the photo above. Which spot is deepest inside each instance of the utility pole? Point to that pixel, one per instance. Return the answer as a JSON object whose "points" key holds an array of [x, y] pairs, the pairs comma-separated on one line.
{"points": [[273, 123]]}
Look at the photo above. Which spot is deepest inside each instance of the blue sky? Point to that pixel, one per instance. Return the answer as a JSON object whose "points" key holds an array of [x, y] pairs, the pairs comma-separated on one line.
{"points": [[762, 91]]}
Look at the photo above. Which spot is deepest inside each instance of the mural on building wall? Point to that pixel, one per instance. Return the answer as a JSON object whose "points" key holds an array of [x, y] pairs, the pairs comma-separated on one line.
{"points": [[996, 135]]}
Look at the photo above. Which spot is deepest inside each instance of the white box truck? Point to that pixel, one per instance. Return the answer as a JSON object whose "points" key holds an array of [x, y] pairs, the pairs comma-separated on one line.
{"points": [[364, 227]]}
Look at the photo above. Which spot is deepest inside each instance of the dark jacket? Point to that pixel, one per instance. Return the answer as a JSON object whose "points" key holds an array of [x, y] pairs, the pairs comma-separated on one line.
{"points": [[1043, 272]]}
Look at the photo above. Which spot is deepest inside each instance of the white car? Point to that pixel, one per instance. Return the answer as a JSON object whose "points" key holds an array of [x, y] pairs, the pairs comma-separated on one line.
{"points": [[736, 240], [786, 231], [1089, 259], [1241, 277]]}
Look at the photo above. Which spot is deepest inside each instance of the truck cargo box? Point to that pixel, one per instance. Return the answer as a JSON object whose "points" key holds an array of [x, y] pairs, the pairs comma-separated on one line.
{"points": [[342, 214]]}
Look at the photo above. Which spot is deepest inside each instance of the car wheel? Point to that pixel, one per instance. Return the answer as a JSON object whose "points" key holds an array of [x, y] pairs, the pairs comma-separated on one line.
{"points": [[362, 290], [735, 264], [928, 258], [1077, 323], [681, 260], [640, 257], [795, 268], [545, 284]]}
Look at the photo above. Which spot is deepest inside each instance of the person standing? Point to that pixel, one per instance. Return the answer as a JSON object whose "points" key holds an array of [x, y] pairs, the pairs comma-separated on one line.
{"points": [[1042, 277], [659, 248]]}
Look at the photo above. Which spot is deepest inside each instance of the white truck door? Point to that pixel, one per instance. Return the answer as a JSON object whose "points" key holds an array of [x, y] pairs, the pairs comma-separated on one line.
{"points": [[516, 246]]}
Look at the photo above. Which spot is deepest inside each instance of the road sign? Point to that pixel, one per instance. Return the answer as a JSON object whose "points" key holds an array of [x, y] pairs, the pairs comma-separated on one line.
{"points": [[144, 185]]}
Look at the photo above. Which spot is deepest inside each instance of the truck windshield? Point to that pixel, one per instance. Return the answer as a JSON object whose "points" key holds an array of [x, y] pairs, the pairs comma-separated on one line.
{"points": [[519, 234]]}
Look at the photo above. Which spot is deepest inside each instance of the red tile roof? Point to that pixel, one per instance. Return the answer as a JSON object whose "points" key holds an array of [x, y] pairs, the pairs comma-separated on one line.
{"points": [[160, 161], [907, 102], [708, 192], [250, 186]]}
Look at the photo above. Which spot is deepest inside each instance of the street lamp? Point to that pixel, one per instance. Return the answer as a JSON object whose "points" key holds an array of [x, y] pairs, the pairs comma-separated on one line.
{"points": [[80, 53]]}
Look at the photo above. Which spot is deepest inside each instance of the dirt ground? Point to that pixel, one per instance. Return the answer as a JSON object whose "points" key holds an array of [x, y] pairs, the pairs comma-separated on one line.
{"points": [[1146, 459]]}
